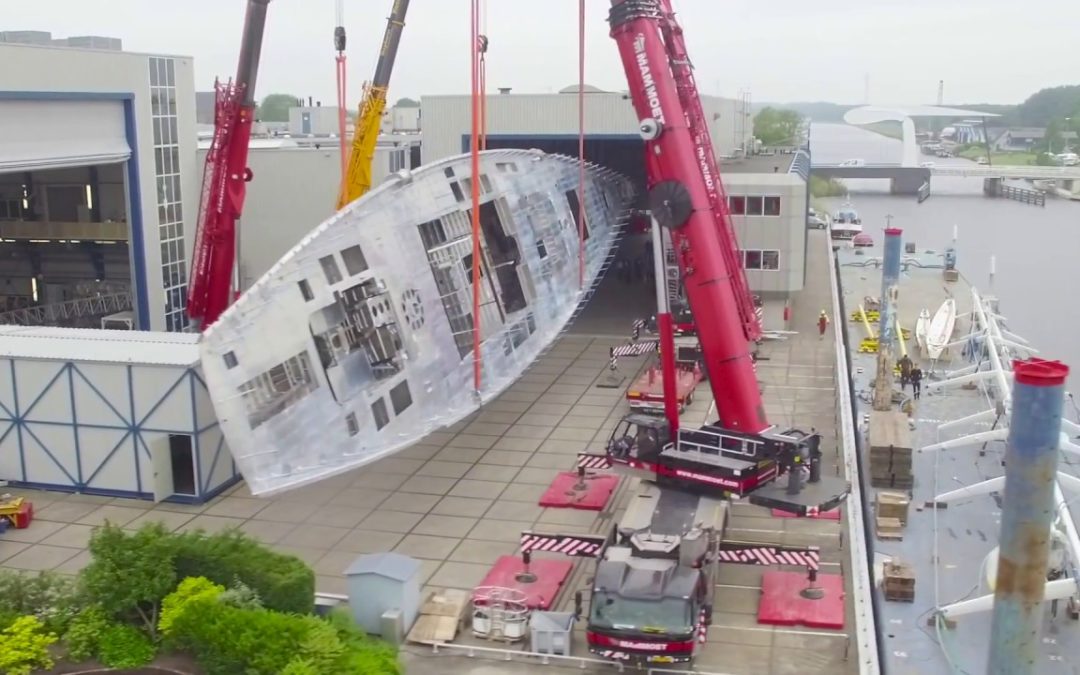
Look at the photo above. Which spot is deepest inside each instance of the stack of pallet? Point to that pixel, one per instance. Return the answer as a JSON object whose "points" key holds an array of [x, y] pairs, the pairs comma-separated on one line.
{"points": [[890, 450], [898, 582], [891, 511]]}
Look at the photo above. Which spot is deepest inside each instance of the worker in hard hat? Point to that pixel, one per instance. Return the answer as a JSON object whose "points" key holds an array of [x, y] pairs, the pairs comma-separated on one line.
{"points": [[822, 324]]}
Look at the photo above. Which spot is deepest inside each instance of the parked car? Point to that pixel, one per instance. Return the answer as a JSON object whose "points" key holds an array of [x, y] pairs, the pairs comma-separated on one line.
{"points": [[927, 165], [816, 222], [862, 240], [853, 162], [982, 160]]}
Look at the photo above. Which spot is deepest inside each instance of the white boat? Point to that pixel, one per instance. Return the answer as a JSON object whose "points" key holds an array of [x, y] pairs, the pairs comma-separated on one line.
{"points": [[941, 329], [359, 341], [847, 223], [922, 328]]}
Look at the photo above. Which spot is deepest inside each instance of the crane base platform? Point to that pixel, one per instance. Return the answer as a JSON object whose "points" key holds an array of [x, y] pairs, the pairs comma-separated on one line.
{"points": [[831, 514], [541, 585], [572, 491], [783, 602], [825, 495]]}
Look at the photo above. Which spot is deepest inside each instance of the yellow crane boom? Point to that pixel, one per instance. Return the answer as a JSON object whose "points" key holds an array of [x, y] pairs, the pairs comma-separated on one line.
{"points": [[357, 179]]}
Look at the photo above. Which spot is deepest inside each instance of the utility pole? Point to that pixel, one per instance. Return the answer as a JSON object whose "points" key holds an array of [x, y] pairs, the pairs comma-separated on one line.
{"points": [[866, 89], [1027, 514], [890, 291], [941, 92]]}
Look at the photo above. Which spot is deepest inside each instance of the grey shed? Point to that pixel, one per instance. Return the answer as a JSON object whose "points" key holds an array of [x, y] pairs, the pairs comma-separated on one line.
{"points": [[382, 582]]}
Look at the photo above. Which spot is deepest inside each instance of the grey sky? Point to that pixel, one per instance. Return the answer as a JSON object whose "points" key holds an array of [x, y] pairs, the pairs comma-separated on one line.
{"points": [[781, 50]]}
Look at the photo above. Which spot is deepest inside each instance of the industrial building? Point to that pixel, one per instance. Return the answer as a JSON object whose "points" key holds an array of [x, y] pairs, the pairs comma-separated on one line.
{"points": [[98, 185]]}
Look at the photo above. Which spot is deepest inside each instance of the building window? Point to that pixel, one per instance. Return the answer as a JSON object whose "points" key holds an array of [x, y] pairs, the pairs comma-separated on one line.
{"points": [[167, 171], [772, 206], [305, 290], [378, 411], [354, 260], [230, 360], [330, 269], [400, 397], [768, 259], [755, 206], [352, 425], [737, 205]]}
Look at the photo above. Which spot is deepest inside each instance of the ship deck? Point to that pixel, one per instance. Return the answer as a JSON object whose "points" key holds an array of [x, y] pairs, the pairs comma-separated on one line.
{"points": [[460, 498], [960, 535]]}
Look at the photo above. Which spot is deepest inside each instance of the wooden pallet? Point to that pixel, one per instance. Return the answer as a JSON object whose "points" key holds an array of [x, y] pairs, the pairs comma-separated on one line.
{"points": [[440, 617]]}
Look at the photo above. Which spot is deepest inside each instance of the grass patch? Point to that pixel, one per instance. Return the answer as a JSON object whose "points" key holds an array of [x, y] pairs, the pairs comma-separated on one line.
{"points": [[826, 187], [1002, 158]]}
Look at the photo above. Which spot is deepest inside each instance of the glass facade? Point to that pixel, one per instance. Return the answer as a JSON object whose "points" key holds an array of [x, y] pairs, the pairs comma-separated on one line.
{"points": [[169, 201]]}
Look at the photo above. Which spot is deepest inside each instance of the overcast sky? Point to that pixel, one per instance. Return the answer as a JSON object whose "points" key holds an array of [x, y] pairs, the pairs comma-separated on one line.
{"points": [[781, 50]]}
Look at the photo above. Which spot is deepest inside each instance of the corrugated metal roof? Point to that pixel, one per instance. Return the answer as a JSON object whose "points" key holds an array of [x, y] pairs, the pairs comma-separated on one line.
{"points": [[99, 346]]}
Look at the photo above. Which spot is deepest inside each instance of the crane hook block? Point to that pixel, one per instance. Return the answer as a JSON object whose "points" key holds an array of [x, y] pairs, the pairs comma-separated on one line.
{"points": [[670, 203]]}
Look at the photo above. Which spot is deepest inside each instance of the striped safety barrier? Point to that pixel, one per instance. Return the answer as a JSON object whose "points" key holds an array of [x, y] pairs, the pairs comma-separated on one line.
{"points": [[595, 462], [634, 349], [770, 555], [575, 545]]}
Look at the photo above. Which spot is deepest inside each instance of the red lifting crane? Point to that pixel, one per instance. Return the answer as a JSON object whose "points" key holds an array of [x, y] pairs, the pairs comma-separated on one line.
{"points": [[741, 454], [225, 179]]}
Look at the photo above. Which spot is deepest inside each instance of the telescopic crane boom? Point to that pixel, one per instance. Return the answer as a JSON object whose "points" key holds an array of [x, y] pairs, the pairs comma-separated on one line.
{"points": [[357, 180], [225, 179]]}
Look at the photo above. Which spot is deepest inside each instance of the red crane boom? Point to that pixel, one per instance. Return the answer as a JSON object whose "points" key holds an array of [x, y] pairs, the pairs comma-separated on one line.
{"points": [[225, 179], [686, 196]]}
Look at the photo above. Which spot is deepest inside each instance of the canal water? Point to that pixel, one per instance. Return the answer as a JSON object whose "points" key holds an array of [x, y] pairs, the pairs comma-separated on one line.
{"points": [[1036, 248]]}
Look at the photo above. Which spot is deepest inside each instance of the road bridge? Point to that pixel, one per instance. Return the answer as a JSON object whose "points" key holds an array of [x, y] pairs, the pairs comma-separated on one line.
{"points": [[904, 180], [995, 171]]}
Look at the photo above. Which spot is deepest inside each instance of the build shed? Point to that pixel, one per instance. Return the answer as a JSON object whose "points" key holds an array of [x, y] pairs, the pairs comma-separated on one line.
{"points": [[122, 413], [382, 582]]}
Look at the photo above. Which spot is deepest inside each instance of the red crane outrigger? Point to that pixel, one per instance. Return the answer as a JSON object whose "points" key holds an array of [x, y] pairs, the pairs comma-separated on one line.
{"points": [[225, 177], [741, 454]]}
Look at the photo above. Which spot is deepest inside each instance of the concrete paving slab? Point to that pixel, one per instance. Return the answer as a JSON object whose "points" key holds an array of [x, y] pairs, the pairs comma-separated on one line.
{"points": [[563, 447], [493, 472], [361, 540], [508, 509], [478, 489], [396, 465], [366, 498], [516, 444], [538, 476], [236, 507], [334, 563], [117, 515], [380, 481], [565, 433], [474, 441], [520, 492], [462, 506], [332, 583], [490, 428], [481, 551], [266, 531], [452, 454], [445, 526], [426, 547], [211, 524], [39, 530], [71, 536], [507, 413], [499, 530], [39, 557], [314, 536], [66, 511], [410, 502], [462, 575], [506, 458], [171, 520], [444, 469], [339, 516], [547, 460], [420, 451], [9, 549], [309, 555], [391, 521], [531, 430], [75, 564]]}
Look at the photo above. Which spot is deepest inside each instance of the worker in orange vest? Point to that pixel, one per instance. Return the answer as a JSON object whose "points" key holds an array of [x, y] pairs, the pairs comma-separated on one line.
{"points": [[822, 324]]}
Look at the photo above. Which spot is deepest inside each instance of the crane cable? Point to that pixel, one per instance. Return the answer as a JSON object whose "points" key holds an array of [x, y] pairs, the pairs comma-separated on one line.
{"points": [[339, 45], [474, 49], [581, 144]]}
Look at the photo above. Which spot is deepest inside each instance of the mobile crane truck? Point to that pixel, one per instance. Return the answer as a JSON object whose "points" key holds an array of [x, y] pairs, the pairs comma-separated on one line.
{"points": [[653, 590]]}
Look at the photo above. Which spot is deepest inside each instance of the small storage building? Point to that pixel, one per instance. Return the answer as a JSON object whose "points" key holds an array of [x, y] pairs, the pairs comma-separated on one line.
{"points": [[122, 413], [383, 582]]}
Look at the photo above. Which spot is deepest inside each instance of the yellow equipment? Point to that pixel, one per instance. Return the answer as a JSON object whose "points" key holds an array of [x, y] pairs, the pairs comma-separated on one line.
{"points": [[357, 179]]}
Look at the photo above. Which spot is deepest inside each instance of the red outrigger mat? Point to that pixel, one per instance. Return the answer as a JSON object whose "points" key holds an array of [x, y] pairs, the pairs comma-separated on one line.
{"points": [[570, 491], [550, 576], [782, 604]]}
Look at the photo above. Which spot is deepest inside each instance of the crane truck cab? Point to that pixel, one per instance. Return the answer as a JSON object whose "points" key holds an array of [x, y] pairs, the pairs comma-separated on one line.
{"points": [[728, 464], [652, 594]]}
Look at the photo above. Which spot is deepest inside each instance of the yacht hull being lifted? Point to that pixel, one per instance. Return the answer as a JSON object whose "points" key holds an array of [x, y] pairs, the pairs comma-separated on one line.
{"points": [[358, 342]]}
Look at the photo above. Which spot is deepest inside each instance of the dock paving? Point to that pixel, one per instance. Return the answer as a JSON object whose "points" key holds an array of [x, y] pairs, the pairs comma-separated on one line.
{"points": [[460, 498]]}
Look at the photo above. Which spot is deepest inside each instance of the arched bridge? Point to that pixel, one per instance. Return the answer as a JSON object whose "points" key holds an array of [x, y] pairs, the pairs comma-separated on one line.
{"points": [[905, 180]]}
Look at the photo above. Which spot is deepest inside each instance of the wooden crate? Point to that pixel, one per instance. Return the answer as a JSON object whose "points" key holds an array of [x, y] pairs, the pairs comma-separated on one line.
{"points": [[893, 505], [440, 617], [898, 582]]}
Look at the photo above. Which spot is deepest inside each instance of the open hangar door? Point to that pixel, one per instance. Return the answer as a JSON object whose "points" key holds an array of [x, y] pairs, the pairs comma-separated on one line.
{"points": [[65, 254], [626, 292]]}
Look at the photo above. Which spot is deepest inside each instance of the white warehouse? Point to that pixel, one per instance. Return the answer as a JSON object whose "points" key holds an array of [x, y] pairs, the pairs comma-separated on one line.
{"points": [[116, 413]]}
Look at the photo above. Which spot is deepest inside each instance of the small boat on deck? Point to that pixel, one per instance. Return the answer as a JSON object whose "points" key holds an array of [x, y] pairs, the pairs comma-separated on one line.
{"points": [[922, 328], [846, 224], [940, 330]]}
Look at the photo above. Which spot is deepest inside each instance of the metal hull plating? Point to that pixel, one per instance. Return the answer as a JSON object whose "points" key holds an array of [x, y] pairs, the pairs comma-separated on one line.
{"points": [[358, 342]]}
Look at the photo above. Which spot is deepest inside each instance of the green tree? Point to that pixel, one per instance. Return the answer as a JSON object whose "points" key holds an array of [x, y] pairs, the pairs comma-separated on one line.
{"points": [[24, 647], [407, 103], [1054, 141], [275, 107], [773, 126], [131, 573]]}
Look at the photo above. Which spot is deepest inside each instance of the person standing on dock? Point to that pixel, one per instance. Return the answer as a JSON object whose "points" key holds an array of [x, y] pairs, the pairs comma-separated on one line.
{"points": [[822, 324], [905, 371], [916, 381]]}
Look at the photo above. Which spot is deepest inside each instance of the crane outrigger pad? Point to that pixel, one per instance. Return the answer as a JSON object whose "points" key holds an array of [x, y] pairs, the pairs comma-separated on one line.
{"points": [[812, 499]]}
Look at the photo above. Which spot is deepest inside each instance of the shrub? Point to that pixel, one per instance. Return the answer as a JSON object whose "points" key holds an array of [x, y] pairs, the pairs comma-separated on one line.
{"points": [[131, 573], [242, 596], [84, 634], [51, 597], [190, 590], [24, 647], [125, 646], [282, 582], [300, 667]]}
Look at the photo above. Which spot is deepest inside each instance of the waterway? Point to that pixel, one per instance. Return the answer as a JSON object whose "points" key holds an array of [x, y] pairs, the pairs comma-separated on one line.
{"points": [[1036, 248]]}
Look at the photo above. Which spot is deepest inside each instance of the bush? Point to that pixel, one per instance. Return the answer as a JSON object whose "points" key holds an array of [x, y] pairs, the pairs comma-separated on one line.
{"points": [[282, 582], [125, 646], [84, 635], [51, 597], [190, 590], [24, 647]]}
